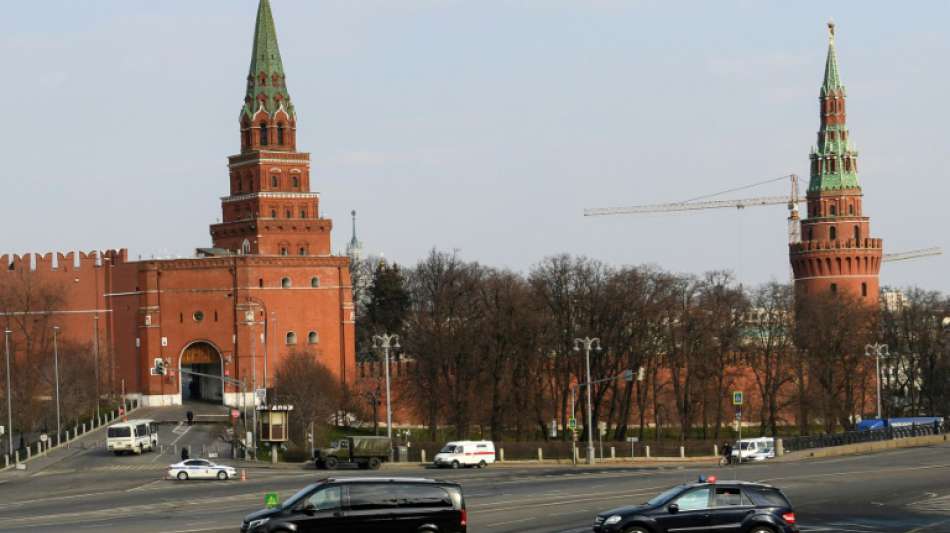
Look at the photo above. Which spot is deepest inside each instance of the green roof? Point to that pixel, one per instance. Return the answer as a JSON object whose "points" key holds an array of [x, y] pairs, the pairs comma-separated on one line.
{"points": [[266, 81], [832, 81]]}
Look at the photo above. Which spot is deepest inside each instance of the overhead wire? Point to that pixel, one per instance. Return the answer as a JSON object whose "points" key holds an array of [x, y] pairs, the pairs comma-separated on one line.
{"points": [[736, 189]]}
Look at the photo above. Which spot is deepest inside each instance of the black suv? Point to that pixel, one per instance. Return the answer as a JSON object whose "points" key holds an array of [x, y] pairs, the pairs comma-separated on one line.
{"points": [[722, 507], [356, 505]]}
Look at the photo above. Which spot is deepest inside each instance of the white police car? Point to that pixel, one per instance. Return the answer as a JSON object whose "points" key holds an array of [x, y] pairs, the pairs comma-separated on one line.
{"points": [[200, 469]]}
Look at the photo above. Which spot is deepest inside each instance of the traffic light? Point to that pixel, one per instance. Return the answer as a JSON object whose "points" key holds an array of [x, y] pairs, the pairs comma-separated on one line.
{"points": [[160, 367]]}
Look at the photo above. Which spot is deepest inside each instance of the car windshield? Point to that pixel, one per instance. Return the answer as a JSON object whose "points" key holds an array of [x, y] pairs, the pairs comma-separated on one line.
{"points": [[746, 445], [120, 432], [448, 449], [300, 495], [665, 496]]}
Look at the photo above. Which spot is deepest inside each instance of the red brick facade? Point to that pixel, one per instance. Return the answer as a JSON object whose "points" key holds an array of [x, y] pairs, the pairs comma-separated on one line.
{"points": [[268, 287]]}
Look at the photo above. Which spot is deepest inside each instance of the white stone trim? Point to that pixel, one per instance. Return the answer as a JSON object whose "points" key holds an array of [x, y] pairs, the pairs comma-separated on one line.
{"points": [[272, 195]]}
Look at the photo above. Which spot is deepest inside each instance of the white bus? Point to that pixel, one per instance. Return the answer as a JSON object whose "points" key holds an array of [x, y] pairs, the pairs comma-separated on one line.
{"points": [[135, 436]]}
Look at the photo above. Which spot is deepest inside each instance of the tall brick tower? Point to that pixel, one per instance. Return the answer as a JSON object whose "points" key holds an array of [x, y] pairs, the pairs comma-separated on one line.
{"points": [[837, 253], [270, 209]]}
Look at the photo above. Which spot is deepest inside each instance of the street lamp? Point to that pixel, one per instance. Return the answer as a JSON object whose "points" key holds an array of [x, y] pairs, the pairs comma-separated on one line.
{"points": [[6, 338], [59, 425], [587, 342], [386, 341], [877, 351]]}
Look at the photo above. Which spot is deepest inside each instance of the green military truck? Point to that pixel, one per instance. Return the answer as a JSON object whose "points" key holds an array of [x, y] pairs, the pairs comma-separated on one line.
{"points": [[365, 452]]}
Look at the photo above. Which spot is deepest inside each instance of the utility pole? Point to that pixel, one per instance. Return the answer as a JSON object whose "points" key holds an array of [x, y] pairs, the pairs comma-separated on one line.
{"points": [[386, 341], [59, 425], [587, 343], [877, 351], [96, 342], [6, 338]]}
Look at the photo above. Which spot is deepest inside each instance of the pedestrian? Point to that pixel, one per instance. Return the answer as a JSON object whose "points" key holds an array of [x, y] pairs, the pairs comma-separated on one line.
{"points": [[936, 427], [191, 417], [184, 453], [727, 452]]}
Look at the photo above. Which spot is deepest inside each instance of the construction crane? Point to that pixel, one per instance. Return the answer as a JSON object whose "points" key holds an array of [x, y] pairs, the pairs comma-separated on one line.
{"points": [[791, 201]]}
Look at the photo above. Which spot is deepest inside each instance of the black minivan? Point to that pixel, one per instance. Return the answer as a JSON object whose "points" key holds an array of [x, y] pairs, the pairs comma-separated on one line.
{"points": [[356, 505]]}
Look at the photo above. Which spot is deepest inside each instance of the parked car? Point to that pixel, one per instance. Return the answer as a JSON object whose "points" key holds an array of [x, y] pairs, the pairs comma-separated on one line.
{"points": [[365, 452], [134, 436], [720, 506], [366, 504], [762, 454], [478, 453], [200, 469]]}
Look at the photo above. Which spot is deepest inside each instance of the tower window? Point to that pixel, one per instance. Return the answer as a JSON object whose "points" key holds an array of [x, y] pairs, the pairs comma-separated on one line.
{"points": [[280, 134], [303, 251], [263, 134], [273, 181], [850, 209], [833, 209], [811, 234], [864, 289], [246, 247], [273, 213], [834, 288], [314, 282], [832, 233], [260, 282], [287, 213], [857, 234], [291, 338], [296, 181], [247, 138], [285, 283], [313, 338], [303, 213]]}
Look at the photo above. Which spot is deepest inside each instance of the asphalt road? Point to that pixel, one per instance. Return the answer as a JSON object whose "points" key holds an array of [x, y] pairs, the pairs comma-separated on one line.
{"points": [[906, 491]]}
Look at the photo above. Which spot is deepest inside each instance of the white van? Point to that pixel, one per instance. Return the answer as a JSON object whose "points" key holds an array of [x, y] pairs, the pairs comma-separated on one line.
{"points": [[135, 436], [460, 453], [757, 449]]}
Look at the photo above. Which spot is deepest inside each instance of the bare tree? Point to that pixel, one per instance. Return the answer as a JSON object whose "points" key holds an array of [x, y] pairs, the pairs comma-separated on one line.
{"points": [[316, 394], [769, 348]]}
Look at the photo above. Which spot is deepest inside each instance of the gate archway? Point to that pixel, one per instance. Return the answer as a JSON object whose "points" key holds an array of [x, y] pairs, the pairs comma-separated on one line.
{"points": [[204, 358]]}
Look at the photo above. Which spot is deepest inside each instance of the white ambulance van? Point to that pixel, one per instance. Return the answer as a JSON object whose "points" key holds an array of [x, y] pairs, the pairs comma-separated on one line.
{"points": [[134, 436], [466, 453]]}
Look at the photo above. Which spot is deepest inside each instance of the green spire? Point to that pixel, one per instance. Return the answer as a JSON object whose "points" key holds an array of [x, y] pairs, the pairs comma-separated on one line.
{"points": [[834, 159], [266, 82], [832, 78]]}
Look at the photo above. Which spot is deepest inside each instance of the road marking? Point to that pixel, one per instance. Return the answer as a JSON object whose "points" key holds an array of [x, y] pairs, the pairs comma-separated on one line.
{"points": [[180, 435], [497, 524], [927, 527]]}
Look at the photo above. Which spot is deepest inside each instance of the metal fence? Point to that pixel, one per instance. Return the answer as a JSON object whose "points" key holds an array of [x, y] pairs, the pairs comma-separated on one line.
{"points": [[793, 444]]}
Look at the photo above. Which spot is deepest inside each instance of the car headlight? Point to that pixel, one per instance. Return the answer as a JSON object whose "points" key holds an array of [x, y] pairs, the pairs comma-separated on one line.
{"points": [[613, 520], [258, 523]]}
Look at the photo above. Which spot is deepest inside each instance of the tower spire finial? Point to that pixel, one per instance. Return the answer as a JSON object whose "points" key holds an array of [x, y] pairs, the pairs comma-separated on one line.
{"points": [[831, 31], [266, 81], [832, 81]]}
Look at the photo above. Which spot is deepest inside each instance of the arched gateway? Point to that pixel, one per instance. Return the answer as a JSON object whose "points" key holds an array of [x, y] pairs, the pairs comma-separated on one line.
{"points": [[204, 358]]}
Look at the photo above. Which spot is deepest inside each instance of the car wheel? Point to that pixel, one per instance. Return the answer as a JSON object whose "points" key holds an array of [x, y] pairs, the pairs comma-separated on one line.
{"points": [[183, 476], [482, 464], [761, 529], [635, 529], [117, 452], [222, 475], [331, 463], [455, 464], [374, 463]]}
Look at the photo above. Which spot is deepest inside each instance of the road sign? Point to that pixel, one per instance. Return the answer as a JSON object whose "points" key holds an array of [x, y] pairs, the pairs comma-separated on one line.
{"points": [[271, 500], [737, 397], [261, 395], [739, 415], [628, 375], [572, 423], [44, 437]]}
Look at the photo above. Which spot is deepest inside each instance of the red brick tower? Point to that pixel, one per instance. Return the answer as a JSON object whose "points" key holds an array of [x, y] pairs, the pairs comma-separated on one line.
{"points": [[837, 253], [270, 210]]}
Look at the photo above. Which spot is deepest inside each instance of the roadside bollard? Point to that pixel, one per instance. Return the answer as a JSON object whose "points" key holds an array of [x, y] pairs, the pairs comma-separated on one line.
{"points": [[647, 449], [613, 452], [540, 455], [501, 455], [779, 448], [682, 452], [6, 460], [243, 475], [16, 456], [29, 453], [83, 427], [715, 450], [422, 454]]}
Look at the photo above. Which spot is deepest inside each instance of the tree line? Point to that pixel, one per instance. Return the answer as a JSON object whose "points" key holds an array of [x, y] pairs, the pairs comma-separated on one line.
{"points": [[492, 351]]}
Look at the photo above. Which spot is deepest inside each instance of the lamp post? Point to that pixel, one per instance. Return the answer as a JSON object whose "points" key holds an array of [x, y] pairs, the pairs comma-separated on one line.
{"points": [[587, 343], [877, 350], [6, 338], [386, 341], [59, 425], [96, 341]]}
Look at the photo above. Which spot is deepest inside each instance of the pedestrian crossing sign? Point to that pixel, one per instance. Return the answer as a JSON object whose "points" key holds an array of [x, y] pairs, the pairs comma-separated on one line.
{"points": [[737, 397], [271, 500], [572, 423]]}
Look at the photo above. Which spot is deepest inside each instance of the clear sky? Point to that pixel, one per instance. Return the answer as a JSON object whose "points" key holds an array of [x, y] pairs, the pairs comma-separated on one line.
{"points": [[481, 125]]}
